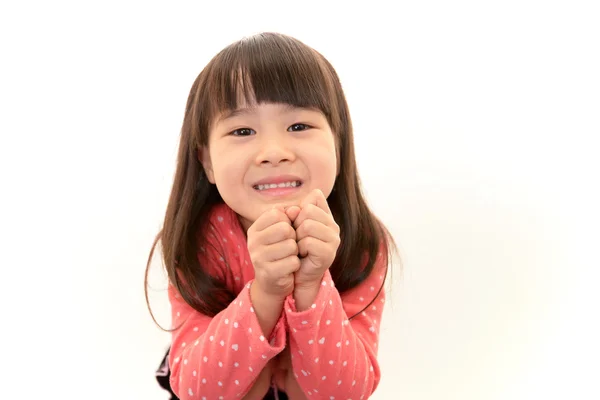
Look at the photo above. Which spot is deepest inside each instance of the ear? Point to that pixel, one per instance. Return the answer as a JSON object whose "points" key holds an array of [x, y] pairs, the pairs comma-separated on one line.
{"points": [[204, 158]]}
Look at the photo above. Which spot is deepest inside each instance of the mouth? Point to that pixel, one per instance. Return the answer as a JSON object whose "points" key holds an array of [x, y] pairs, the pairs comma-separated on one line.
{"points": [[280, 185]]}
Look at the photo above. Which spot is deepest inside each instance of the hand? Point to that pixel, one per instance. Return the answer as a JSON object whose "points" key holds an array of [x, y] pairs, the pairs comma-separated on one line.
{"points": [[318, 238], [274, 253]]}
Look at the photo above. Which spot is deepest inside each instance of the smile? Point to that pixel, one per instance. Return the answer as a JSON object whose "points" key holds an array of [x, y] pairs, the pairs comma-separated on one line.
{"points": [[289, 184]]}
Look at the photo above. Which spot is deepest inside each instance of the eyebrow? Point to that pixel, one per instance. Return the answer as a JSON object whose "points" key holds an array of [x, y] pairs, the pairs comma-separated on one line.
{"points": [[249, 110]]}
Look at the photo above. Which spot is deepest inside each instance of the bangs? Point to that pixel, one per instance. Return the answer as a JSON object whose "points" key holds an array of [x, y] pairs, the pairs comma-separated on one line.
{"points": [[270, 68]]}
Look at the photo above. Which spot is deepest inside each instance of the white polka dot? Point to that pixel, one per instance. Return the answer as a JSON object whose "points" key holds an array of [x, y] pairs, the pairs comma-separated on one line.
{"points": [[330, 362], [322, 340], [203, 380], [250, 369], [185, 362], [224, 240], [346, 322], [222, 343], [237, 382], [250, 330], [330, 302], [235, 347], [300, 352], [339, 383], [196, 342], [251, 309], [205, 359], [338, 344], [220, 364], [194, 372], [317, 360], [361, 298], [183, 344], [313, 305], [327, 322], [236, 364], [372, 329], [190, 392], [220, 218], [195, 329], [353, 383], [303, 372], [311, 341], [323, 283], [345, 363], [220, 383], [263, 356], [241, 303], [178, 313], [331, 398], [226, 321], [304, 322], [309, 393], [221, 259], [372, 288], [371, 368], [262, 338], [211, 338], [177, 360], [347, 342]]}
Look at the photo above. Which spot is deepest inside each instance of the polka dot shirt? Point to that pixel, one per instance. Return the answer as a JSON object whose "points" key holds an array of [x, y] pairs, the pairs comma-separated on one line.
{"points": [[332, 357]]}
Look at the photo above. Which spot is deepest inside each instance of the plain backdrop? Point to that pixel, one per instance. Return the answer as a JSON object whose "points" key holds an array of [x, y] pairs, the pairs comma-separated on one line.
{"points": [[476, 128]]}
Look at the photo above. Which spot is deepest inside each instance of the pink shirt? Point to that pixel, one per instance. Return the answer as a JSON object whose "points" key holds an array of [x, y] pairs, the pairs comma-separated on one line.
{"points": [[220, 357]]}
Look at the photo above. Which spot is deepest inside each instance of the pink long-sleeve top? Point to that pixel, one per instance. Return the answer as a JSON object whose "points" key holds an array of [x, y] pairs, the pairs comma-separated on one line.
{"points": [[332, 357]]}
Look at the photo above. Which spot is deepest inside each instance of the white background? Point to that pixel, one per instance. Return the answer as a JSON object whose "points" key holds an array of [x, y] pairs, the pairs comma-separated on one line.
{"points": [[476, 129]]}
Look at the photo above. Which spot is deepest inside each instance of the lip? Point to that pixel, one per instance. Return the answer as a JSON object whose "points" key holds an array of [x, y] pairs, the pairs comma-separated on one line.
{"points": [[277, 180]]}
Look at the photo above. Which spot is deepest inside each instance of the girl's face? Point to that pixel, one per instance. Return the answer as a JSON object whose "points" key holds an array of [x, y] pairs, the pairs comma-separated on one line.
{"points": [[268, 154]]}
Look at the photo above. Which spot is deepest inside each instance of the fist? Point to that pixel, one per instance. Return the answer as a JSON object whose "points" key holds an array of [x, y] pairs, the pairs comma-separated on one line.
{"points": [[273, 249], [318, 238]]}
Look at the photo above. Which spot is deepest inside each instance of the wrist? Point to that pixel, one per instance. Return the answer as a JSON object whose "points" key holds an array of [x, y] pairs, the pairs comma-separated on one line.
{"points": [[305, 295]]}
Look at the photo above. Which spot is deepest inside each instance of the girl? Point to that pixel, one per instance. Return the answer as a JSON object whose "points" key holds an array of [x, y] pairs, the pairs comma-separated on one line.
{"points": [[276, 265]]}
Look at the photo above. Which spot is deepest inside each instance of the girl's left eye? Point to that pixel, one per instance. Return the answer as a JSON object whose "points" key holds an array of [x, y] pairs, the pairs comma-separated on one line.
{"points": [[298, 127]]}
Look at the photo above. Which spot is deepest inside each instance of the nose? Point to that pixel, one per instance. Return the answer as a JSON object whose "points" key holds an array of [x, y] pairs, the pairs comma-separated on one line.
{"points": [[274, 151]]}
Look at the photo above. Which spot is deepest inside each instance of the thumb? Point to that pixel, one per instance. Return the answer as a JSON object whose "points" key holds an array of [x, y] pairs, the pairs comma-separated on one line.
{"points": [[292, 212]]}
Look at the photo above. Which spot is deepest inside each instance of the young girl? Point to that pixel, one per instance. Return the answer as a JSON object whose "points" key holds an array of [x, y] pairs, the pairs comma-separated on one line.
{"points": [[276, 265]]}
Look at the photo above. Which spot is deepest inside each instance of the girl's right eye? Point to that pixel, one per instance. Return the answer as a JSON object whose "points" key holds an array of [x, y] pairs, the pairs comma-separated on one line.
{"points": [[243, 132]]}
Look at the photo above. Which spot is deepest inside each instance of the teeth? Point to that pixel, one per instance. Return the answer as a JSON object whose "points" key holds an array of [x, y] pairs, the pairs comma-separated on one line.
{"points": [[277, 185]]}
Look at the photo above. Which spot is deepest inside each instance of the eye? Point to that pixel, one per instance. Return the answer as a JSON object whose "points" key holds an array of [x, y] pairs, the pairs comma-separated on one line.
{"points": [[243, 132], [298, 127]]}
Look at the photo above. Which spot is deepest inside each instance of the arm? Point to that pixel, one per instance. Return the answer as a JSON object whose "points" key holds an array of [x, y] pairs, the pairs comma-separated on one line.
{"points": [[330, 353], [220, 356]]}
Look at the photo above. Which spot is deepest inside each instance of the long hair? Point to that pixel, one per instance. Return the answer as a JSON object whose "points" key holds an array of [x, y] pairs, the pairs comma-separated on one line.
{"points": [[267, 68]]}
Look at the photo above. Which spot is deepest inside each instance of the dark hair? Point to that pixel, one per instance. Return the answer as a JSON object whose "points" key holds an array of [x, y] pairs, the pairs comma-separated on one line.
{"points": [[267, 68]]}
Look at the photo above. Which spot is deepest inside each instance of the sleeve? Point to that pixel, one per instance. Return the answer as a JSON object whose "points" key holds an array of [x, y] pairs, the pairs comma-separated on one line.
{"points": [[219, 357], [332, 355]]}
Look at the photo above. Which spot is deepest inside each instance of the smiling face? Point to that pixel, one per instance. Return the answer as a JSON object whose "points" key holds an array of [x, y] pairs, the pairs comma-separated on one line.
{"points": [[265, 154]]}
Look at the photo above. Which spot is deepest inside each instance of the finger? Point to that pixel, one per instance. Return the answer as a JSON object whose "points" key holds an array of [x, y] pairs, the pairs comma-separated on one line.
{"points": [[293, 212], [311, 211], [275, 233], [317, 198], [313, 246], [287, 265], [318, 230], [268, 218], [280, 250]]}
